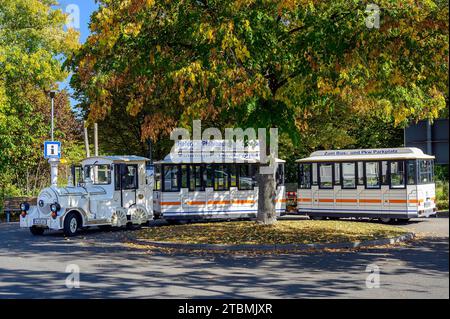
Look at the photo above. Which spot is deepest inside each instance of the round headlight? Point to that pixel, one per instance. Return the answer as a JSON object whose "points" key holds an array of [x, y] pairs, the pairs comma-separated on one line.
{"points": [[24, 207], [55, 207]]}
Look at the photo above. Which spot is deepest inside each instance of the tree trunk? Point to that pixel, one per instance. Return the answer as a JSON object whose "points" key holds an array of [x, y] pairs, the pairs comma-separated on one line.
{"points": [[266, 199]]}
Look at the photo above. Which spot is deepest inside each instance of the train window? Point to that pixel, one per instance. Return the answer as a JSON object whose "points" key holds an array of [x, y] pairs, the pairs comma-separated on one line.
{"points": [[384, 173], [117, 177], [397, 170], [208, 175], [233, 175], [130, 178], [360, 173], [184, 176], [348, 175], [314, 173], [280, 175], [304, 172], [325, 175], [171, 178], [195, 178], [77, 175], [99, 174], [372, 174], [337, 173], [221, 177], [157, 177], [411, 172], [246, 177], [425, 172]]}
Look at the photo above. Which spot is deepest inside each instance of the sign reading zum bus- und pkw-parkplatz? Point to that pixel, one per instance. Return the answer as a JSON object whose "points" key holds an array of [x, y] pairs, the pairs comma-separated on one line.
{"points": [[52, 149]]}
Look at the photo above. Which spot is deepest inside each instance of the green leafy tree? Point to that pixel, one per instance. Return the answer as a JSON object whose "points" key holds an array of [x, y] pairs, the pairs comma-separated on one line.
{"points": [[32, 44], [308, 67]]}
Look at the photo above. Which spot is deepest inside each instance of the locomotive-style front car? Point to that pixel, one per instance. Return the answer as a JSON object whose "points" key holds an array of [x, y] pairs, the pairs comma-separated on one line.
{"points": [[106, 191]]}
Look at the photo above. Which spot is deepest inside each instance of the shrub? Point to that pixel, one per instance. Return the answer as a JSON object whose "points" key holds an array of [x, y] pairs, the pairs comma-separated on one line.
{"points": [[442, 189]]}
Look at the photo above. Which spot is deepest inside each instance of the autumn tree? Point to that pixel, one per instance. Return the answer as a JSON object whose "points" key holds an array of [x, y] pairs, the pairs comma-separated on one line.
{"points": [[309, 68], [32, 44]]}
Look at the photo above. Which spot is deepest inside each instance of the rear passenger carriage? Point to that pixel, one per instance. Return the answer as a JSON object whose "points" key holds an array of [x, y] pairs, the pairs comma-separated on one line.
{"points": [[385, 184]]}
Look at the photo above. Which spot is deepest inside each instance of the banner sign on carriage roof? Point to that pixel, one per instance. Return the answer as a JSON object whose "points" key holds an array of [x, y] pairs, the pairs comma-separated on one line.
{"points": [[380, 151], [215, 151]]}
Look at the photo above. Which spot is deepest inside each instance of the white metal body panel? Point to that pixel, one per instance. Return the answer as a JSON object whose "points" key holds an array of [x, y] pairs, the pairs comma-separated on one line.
{"points": [[212, 204], [96, 204], [410, 202]]}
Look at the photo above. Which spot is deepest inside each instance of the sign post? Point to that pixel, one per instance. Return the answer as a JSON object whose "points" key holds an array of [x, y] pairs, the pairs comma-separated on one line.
{"points": [[52, 151]]}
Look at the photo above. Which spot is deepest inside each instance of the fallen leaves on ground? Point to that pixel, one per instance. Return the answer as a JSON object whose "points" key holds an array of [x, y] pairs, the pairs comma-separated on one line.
{"points": [[283, 232]]}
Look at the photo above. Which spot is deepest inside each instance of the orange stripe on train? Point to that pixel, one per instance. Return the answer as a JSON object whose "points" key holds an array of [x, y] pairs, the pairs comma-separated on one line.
{"points": [[196, 203], [346, 200], [243, 201], [170, 203]]}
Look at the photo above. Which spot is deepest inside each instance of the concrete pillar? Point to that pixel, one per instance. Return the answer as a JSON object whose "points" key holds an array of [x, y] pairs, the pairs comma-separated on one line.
{"points": [[54, 171]]}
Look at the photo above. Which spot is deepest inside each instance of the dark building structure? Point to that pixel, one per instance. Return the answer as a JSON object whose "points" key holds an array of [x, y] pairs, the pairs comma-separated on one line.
{"points": [[431, 138]]}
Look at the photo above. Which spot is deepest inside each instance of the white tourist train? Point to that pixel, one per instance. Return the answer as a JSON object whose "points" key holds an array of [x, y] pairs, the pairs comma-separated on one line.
{"points": [[118, 191], [386, 184], [191, 187], [105, 191], [121, 191]]}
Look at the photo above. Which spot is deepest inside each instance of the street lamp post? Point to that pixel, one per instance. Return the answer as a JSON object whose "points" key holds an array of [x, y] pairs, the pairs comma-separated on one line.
{"points": [[53, 161], [52, 96]]}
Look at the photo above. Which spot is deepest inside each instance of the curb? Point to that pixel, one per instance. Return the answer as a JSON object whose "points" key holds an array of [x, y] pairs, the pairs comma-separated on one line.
{"points": [[284, 247]]}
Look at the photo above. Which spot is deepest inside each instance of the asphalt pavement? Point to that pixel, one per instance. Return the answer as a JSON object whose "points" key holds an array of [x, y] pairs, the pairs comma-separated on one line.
{"points": [[43, 267]]}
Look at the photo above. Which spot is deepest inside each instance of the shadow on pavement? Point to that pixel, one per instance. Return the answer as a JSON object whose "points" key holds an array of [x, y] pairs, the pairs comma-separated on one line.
{"points": [[116, 271]]}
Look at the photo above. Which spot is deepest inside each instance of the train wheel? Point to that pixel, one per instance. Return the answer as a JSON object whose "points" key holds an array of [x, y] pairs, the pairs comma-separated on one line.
{"points": [[71, 225], [386, 220], [316, 217]]}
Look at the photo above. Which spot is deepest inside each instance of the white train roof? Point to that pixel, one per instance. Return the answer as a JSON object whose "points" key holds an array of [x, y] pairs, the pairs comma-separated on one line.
{"points": [[114, 159], [214, 151], [402, 153], [216, 160]]}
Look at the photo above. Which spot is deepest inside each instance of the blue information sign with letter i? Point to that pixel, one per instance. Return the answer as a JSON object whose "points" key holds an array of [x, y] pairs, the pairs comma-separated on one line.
{"points": [[52, 149]]}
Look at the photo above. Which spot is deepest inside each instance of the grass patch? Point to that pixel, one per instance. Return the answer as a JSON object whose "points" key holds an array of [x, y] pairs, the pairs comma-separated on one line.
{"points": [[283, 232]]}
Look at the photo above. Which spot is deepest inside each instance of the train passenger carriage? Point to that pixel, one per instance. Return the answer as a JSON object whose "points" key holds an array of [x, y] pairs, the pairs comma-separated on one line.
{"points": [[385, 184], [192, 191]]}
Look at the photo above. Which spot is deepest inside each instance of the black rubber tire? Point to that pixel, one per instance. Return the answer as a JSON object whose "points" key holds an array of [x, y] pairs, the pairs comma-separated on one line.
{"points": [[68, 231], [37, 231]]}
